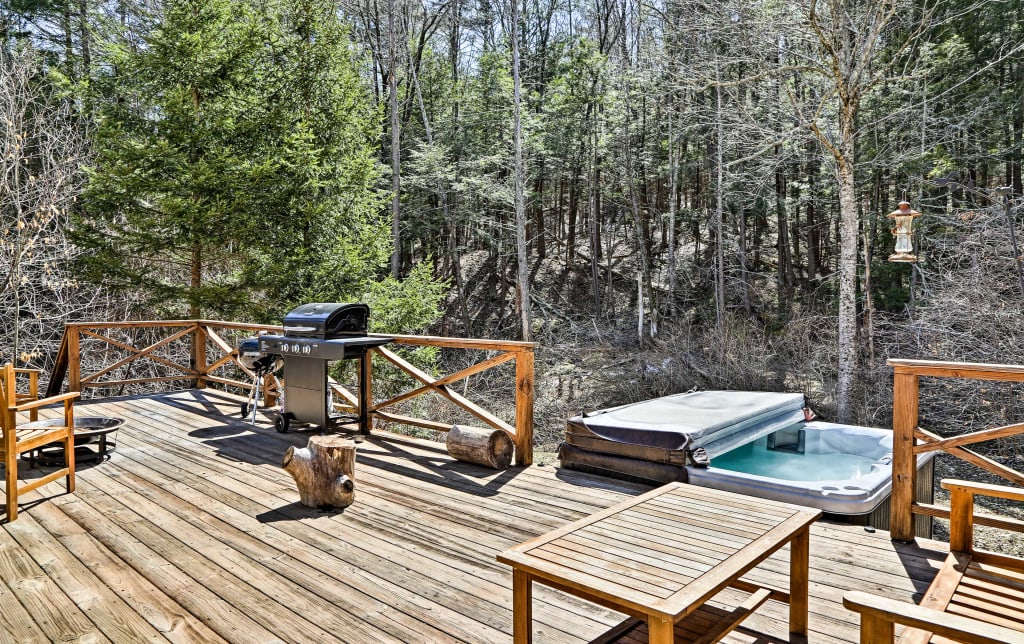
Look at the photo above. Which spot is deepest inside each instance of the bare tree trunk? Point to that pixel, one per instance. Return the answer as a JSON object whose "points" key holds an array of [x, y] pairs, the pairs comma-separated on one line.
{"points": [[849, 34], [646, 290], [719, 234], [673, 181], [396, 153], [594, 222], [744, 274], [848, 220], [784, 277], [195, 281], [570, 227], [869, 306], [69, 42], [523, 269], [83, 34]]}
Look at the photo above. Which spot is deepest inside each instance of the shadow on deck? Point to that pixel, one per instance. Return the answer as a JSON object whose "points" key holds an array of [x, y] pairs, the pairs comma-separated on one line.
{"points": [[191, 531]]}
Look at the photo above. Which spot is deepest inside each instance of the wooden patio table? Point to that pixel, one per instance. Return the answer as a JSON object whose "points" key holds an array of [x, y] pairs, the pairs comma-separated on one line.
{"points": [[660, 556]]}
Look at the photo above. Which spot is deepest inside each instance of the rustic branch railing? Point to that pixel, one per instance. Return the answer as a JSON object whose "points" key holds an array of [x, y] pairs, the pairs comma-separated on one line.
{"points": [[905, 427], [207, 352]]}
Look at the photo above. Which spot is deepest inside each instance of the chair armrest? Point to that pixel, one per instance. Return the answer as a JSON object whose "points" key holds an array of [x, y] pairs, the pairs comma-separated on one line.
{"points": [[956, 627], [43, 402], [27, 370], [984, 489]]}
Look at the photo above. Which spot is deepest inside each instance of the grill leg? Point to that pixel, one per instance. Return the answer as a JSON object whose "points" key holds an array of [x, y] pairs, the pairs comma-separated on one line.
{"points": [[256, 396], [364, 393]]}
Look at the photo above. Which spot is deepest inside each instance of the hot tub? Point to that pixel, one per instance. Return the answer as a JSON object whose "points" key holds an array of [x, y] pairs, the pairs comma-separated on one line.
{"points": [[760, 444], [839, 469]]}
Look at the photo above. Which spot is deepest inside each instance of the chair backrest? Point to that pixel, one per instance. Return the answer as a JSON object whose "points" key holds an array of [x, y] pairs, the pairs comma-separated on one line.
{"points": [[8, 391], [10, 397], [8, 386]]}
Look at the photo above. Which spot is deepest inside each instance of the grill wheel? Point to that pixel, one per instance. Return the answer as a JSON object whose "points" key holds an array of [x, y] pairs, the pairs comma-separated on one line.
{"points": [[282, 422]]}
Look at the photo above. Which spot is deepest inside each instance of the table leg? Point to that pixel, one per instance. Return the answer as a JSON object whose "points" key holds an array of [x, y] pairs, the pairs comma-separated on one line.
{"points": [[799, 583], [522, 607], [660, 630]]}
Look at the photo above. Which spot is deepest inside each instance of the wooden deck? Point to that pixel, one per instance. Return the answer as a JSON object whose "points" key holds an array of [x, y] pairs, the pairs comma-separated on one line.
{"points": [[192, 532]]}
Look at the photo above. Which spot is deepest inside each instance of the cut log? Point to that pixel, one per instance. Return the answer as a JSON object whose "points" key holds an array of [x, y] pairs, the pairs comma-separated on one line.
{"points": [[483, 446], [324, 471]]}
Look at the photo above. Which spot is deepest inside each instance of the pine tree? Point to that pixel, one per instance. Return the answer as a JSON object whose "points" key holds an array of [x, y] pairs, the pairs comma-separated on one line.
{"points": [[234, 162]]}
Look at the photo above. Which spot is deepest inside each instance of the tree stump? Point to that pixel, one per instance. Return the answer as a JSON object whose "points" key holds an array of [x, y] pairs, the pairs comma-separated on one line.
{"points": [[490, 447], [324, 471]]}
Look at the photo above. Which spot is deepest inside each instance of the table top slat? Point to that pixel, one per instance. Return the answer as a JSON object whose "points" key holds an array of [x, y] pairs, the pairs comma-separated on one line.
{"points": [[702, 545], [759, 510], [654, 561], [751, 514], [690, 523], [702, 514], [755, 505], [656, 548], [641, 577], [665, 552]]}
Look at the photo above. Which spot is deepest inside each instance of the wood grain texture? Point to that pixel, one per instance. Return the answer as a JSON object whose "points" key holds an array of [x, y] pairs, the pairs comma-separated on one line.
{"points": [[194, 527], [489, 447], [324, 471]]}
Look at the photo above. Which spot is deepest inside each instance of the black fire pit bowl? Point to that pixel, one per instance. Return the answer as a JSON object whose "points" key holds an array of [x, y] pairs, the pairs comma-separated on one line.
{"points": [[87, 430]]}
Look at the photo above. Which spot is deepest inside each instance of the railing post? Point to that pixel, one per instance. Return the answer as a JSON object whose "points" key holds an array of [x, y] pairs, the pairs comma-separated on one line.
{"points": [[961, 520], [199, 355], [74, 359], [904, 463], [524, 407]]}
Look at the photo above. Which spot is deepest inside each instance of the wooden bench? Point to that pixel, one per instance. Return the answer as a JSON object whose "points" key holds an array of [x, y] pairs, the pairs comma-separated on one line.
{"points": [[977, 596]]}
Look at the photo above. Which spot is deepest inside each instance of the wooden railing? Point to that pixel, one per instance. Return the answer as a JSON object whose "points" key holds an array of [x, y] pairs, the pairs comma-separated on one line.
{"points": [[199, 353], [906, 433]]}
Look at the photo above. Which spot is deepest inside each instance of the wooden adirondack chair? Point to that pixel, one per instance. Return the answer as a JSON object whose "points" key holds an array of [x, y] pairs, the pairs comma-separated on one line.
{"points": [[977, 597], [18, 439]]}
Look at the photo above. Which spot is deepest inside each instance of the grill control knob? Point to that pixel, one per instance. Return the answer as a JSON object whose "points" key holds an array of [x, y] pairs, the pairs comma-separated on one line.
{"points": [[305, 349]]}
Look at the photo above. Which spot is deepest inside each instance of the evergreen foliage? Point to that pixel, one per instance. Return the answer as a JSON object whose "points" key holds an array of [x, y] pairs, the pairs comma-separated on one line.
{"points": [[235, 168], [678, 176]]}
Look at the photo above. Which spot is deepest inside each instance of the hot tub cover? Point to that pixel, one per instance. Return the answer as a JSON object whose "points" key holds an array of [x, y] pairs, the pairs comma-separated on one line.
{"points": [[695, 419]]}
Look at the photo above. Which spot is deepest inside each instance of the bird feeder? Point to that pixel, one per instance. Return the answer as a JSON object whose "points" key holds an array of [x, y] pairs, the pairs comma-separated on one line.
{"points": [[903, 225]]}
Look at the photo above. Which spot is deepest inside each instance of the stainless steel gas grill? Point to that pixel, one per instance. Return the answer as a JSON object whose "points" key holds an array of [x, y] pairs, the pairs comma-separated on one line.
{"points": [[315, 334]]}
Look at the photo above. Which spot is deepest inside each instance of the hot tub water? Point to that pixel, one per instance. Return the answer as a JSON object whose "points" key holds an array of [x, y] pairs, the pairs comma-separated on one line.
{"points": [[756, 458]]}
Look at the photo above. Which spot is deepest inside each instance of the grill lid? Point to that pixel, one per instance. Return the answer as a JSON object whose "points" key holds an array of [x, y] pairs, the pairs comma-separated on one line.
{"points": [[327, 320]]}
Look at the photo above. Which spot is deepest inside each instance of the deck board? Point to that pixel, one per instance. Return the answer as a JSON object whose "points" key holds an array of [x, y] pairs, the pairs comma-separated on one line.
{"points": [[191, 531]]}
